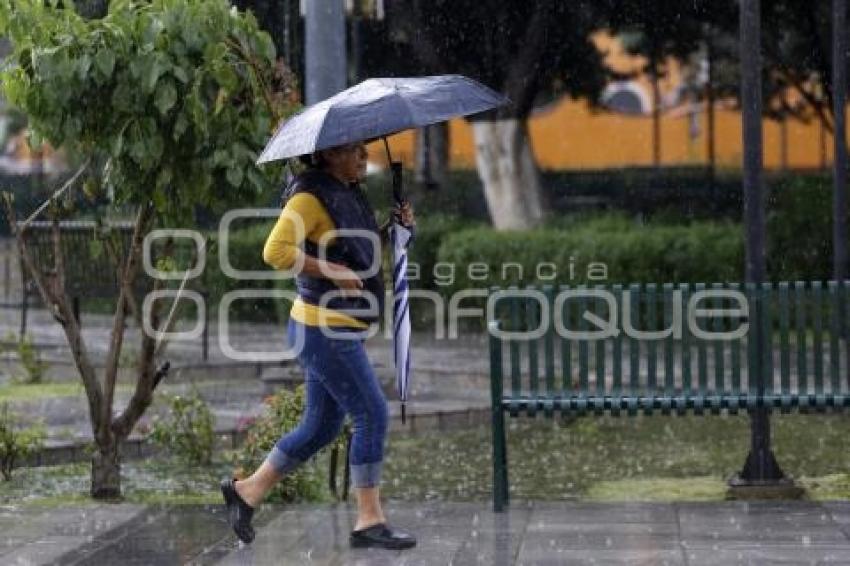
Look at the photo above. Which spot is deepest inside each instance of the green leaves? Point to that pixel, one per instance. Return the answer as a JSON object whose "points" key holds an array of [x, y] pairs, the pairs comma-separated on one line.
{"points": [[147, 68], [104, 60], [161, 87], [165, 97], [234, 175], [188, 430]]}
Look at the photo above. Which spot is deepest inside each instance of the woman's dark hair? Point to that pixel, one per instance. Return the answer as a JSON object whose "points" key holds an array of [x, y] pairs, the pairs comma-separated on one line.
{"points": [[313, 160]]}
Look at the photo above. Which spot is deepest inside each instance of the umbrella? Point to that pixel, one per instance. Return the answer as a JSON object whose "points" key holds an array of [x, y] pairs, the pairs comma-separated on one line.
{"points": [[400, 238], [376, 108], [372, 109]]}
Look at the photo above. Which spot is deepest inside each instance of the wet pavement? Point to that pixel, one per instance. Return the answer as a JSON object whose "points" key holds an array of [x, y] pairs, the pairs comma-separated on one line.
{"points": [[557, 533]]}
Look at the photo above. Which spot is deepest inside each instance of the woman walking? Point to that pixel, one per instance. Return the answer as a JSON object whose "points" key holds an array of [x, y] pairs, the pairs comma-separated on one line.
{"points": [[328, 318]]}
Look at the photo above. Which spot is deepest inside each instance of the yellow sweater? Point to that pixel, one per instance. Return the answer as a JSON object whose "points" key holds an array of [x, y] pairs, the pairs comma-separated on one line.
{"points": [[281, 251]]}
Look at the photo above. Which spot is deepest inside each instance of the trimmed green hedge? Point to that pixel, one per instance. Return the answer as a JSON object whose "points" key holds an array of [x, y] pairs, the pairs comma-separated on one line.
{"points": [[430, 233], [799, 229], [668, 248], [703, 251]]}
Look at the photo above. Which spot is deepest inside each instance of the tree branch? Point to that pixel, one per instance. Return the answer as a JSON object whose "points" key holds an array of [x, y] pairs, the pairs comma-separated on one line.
{"points": [[56, 194], [75, 337], [118, 325], [520, 81], [62, 313], [44, 291], [146, 380], [118, 261]]}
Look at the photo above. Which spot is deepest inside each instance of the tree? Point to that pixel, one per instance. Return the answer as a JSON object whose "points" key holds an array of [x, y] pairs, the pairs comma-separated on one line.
{"points": [[281, 19], [663, 30], [798, 81], [168, 104], [530, 51]]}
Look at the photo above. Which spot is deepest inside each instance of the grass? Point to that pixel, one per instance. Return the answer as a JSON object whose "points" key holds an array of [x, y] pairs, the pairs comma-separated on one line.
{"points": [[658, 489], [826, 488], [30, 391], [657, 458], [148, 481], [607, 458]]}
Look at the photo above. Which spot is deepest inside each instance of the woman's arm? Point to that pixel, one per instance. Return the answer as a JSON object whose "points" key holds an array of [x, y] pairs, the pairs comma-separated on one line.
{"points": [[304, 216]]}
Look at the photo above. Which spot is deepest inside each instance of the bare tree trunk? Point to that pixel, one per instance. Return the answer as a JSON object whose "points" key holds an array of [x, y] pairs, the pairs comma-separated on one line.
{"points": [[106, 470], [509, 173], [108, 432]]}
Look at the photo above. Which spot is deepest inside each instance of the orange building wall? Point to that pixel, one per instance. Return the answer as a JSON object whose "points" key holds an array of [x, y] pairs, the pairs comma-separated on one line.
{"points": [[570, 136]]}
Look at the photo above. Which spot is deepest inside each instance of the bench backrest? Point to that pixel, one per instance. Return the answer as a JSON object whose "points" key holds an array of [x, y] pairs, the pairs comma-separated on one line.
{"points": [[802, 327]]}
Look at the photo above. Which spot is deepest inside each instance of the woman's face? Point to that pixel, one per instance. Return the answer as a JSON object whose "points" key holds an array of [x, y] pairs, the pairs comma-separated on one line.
{"points": [[348, 161]]}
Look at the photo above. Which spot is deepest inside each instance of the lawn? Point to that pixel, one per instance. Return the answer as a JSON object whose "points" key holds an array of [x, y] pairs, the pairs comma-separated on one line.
{"points": [[592, 458]]}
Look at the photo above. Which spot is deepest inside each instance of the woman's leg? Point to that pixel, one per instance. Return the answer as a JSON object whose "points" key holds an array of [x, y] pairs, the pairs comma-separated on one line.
{"points": [[340, 380], [345, 371], [369, 511], [320, 424]]}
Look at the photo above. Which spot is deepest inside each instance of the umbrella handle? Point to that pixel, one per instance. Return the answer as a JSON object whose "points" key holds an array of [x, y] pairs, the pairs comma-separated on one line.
{"points": [[395, 168]]}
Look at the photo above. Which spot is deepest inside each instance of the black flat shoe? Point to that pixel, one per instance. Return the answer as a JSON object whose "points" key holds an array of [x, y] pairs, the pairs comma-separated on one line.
{"points": [[239, 513], [382, 536]]}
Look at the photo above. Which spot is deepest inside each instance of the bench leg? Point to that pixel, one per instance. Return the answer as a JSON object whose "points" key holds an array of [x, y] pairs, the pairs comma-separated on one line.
{"points": [[500, 462]]}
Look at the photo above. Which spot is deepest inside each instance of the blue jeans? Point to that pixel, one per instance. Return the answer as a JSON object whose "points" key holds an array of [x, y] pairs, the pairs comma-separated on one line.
{"points": [[339, 381]]}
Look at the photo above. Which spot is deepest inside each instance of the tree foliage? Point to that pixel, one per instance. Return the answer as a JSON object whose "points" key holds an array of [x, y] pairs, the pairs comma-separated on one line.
{"points": [[169, 103], [530, 51], [177, 96], [668, 28], [796, 48]]}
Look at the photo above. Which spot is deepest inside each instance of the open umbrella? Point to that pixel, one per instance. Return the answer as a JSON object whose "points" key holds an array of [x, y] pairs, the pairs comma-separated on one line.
{"points": [[376, 108], [372, 109]]}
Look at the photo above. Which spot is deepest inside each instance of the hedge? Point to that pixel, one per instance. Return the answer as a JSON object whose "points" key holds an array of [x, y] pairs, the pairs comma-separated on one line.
{"points": [[703, 251]]}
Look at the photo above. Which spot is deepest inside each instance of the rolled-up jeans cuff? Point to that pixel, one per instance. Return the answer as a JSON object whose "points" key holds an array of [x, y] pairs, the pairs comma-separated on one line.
{"points": [[366, 475], [282, 462]]}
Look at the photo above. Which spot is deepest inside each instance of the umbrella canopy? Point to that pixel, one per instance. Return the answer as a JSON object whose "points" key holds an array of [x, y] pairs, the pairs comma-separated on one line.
{"points": [[379, 107]]}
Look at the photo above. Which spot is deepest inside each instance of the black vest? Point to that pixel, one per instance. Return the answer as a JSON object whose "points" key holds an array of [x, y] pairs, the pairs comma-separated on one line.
{"points": [[349, 209]]}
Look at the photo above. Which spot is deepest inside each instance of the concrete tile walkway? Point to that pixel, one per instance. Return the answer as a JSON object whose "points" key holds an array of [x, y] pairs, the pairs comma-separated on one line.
{"points": [[539, 533]]}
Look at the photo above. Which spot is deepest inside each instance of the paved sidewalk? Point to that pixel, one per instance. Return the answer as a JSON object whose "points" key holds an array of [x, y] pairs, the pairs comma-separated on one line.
{"points": [[557, 533]]}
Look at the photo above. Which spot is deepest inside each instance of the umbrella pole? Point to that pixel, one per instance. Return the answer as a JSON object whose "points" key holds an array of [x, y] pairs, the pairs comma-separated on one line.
{"points": [[395, 168]]}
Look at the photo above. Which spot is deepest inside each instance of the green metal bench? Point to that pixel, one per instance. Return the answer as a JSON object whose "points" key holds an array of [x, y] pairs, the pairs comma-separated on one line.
{"points": [[560, 372]]}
